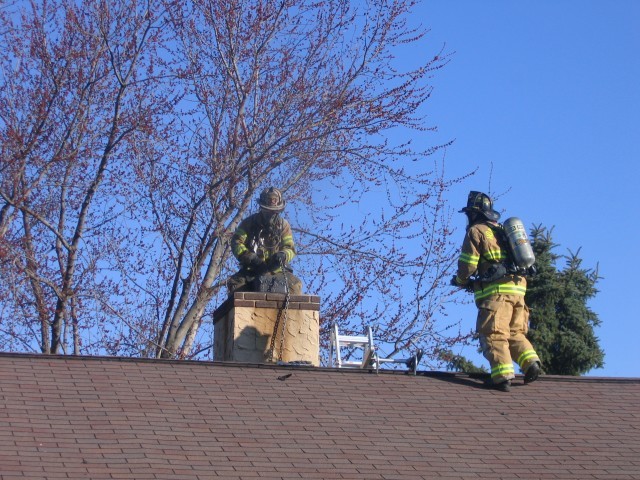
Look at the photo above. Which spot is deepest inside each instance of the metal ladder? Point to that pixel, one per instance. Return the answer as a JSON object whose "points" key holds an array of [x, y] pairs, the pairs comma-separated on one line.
{"points": [[370, 357]]}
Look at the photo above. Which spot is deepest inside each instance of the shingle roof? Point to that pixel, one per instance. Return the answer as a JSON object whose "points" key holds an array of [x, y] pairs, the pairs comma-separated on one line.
{"points": [[112, 418]]}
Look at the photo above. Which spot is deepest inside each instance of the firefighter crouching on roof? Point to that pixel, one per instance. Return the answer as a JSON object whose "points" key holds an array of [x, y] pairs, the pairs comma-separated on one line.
{"points": [[263, 243], [503, 317]]}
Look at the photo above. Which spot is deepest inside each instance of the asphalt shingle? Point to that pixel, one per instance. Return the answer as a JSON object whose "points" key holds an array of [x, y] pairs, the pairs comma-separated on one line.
{"points": [[112, 418]]}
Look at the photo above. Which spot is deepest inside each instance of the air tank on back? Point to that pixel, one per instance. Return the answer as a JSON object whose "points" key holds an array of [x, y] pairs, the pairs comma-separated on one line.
{"points": [[519, 244]]}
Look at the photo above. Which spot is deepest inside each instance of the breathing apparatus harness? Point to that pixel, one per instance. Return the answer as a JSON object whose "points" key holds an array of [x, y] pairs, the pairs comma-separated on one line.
{"points": [[512, 237]]}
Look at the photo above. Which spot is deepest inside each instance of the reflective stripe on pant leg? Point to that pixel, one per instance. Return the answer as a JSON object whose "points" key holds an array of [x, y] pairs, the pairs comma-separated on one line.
{"points": [[505, 370], [520, 347], [527, 357]]}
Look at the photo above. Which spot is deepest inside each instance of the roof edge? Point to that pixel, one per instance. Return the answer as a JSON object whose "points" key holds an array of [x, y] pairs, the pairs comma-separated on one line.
{"points": [[346, 371]]}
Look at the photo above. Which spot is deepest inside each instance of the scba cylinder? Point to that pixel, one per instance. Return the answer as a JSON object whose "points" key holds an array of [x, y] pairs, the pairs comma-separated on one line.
{"points": [[519, 244]]}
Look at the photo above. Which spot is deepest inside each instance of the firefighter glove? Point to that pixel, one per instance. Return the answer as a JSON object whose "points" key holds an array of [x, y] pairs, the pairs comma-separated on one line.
{"points": [[278, 259], [251, 260]]}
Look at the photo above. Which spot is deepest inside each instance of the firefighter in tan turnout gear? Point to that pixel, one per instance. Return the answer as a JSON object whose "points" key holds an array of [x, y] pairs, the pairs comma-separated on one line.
{"points": [[486, 266], [263, 244]]}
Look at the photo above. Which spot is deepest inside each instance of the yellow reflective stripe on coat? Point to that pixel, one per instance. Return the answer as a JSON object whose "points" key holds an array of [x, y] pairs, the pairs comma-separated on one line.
{"points": [[526, 356], [504, 369], [287, 247], [237, 242], [240, 250], [498, 288], [469, 258], [496, 255], [289, 254]]}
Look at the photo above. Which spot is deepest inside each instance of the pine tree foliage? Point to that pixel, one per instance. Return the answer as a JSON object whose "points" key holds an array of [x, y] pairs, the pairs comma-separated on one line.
{"points": [[561, 322], [460, 363]]}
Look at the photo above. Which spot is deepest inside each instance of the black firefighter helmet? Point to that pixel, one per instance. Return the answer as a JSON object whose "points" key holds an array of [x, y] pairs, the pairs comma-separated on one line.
{"points": [[482, 204], [271, 199]]}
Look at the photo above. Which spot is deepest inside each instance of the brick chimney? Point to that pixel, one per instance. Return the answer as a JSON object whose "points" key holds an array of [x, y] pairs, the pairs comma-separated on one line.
{"points": [[244, 323]]}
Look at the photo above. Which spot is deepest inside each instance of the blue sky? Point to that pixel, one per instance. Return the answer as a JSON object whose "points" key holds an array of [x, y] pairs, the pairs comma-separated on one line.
{"points": [[544, 99]]}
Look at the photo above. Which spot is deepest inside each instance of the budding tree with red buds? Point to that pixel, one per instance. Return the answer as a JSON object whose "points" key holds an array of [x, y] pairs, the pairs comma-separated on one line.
{"points": [[137, 135]]}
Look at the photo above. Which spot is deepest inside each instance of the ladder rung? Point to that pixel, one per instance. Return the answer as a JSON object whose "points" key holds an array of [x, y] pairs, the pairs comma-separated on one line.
{"points": [[345, 340], [393, 360], [351, 363], [358, 341]]}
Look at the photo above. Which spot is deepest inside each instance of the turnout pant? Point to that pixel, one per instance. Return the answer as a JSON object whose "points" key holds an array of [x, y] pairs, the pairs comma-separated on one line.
{"points": [[503, 322]]}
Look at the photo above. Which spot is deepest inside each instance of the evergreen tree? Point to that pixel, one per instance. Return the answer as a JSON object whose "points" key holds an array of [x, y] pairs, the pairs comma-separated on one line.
{"points": [[561, 323], [459, 363]]}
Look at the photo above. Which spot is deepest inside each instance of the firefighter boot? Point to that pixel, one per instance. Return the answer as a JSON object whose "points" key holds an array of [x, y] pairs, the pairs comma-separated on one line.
{"points": [[532, 373], [504, 386]]}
